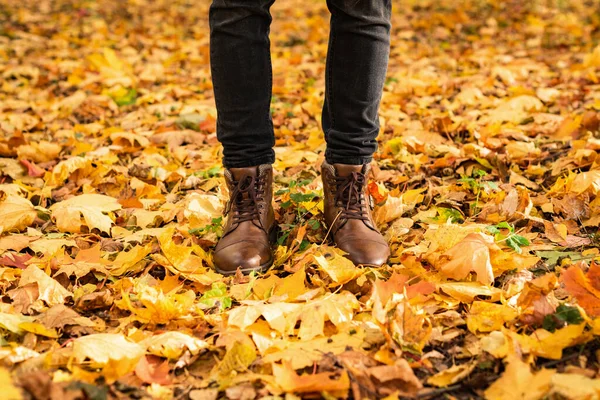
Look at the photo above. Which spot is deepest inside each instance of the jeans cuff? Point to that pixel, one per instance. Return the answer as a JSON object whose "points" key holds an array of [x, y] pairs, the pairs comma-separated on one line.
{"points": [[252, 162], [331, 159]]}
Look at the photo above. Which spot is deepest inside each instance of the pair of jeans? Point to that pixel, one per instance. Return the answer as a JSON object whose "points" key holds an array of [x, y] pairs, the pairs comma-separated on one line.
{"points": [[357, 59]]}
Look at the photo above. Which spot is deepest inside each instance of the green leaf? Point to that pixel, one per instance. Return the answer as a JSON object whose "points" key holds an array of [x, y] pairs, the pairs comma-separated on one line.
{"points": [[564, 315], [510, 242], [313, 224], [445, 214], [505, 225], [128, 98], [552, 257], [521, 240], [302, 197], [570, 315], [217, 294], [493, 229]]}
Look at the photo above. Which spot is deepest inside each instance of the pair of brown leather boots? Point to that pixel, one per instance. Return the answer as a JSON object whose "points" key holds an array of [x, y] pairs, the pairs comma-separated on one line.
{"points": [[250, 228]]}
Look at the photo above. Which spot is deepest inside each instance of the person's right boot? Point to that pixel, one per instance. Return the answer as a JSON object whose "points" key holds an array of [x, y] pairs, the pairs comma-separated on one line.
{"points": [[250, 228], [347, 213]]}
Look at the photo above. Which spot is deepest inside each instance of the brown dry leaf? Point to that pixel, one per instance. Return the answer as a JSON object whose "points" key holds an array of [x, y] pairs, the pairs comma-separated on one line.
{"points": [[49, 289], [398, 377], [59, 316]]}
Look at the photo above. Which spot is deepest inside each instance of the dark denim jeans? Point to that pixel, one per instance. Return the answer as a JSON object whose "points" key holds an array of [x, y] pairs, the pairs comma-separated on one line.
{"points": [[359, 45]]}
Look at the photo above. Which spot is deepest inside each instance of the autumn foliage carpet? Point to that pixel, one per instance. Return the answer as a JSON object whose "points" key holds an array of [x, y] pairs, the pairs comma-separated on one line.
{"points": [[111, 191]]}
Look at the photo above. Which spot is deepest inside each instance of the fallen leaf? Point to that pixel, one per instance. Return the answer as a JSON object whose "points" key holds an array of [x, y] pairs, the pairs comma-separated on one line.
{"points": [[92, 207], [472, 254], [172, 345], [16, 213], [399, 376], [518, 382], [339, 268], [488, 317], [291, 382], [584, 287], [9, 390], [49, 289], [152, 369], [112, 352]]}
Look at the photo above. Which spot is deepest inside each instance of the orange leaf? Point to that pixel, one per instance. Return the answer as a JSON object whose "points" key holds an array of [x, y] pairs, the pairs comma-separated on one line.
{"points": [[397, 283], [470, 254], [584, 287], [150, 369], [376, 192], [291, 382]]}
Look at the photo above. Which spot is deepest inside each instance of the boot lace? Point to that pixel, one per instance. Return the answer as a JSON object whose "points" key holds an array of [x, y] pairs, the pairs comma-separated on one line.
{"points": [[244, 199], [350, 197]]}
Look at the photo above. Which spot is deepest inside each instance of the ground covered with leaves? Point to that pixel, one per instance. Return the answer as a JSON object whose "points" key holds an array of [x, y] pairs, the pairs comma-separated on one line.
{"points": [[486, 186]]}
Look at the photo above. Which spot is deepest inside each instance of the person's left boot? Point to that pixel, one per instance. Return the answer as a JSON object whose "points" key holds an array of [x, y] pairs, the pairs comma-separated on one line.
{"points": [[348, 214]]}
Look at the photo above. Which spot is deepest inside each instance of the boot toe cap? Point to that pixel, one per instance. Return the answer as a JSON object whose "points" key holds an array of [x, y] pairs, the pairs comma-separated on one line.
{"points": [[247, 255], [366, 252]]}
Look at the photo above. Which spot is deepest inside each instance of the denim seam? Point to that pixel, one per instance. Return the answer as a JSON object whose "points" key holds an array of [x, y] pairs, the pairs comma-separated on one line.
{"points": [[269, 120], [331, 55], [348, 160]]}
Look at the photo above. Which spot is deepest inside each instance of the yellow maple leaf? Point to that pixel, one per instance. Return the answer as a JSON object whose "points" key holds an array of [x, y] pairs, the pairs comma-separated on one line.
{"points": [[129, 261], [238, 358], [16, 213], [112, 352], [172, 344], [9, 390], [575, 386], [158, 307], [92, 207], [519, 383], [543, 343], [410, 326], [340, 269], [487, 317], [61, 171], [282, 317], [180, 259], [454, 374]]}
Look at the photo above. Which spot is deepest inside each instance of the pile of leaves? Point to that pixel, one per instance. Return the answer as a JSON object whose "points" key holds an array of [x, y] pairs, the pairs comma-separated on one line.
{"points": [[486, 186]]}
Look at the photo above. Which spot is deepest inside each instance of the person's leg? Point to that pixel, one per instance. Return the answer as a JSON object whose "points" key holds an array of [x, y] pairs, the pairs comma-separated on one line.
{"points": [[240, 60], [242, 79], [359, 48]]}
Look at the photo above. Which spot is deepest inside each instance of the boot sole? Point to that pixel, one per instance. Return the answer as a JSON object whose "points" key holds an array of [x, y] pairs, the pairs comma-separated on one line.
{"points": [[262, 268]]}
